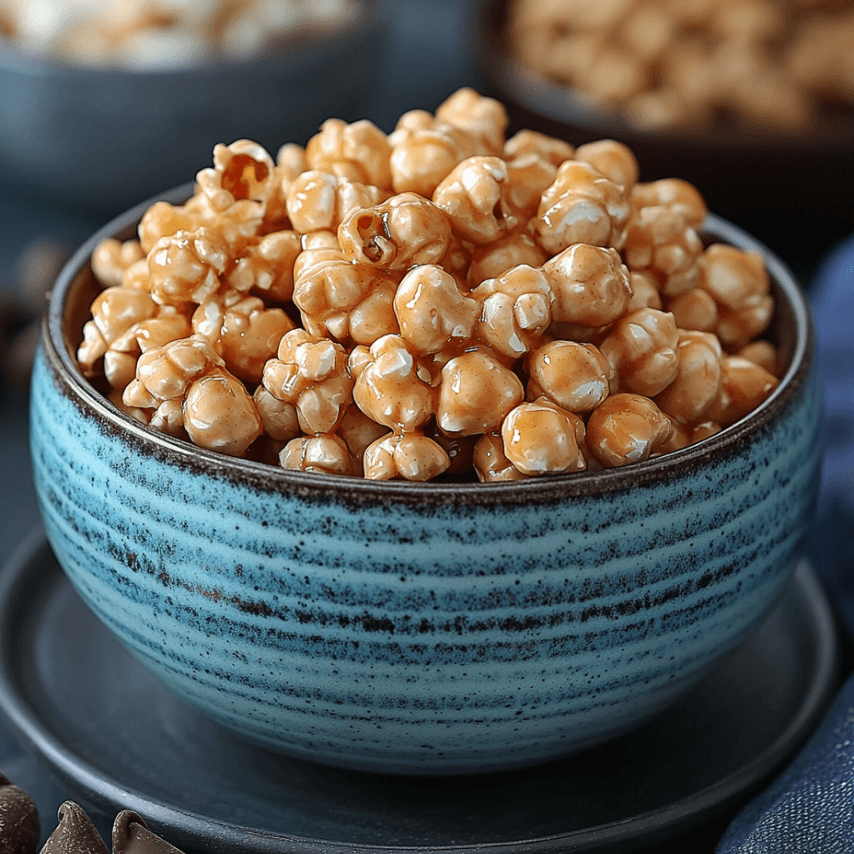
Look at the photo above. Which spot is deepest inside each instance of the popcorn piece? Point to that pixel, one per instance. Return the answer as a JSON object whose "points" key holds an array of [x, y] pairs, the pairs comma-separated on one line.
{"points": [[166, 372], [115, 312], [476, 393], [541, 438], [431, 310], [764, 354], [576, 377], [641, 349], [626, 428], [581, 206], [475, 197], [220, 415], [491, 261], [516, 309], [322, 201], [290, 161], [485, 118], [697, 380], [187, 386], [694, 309], [529, 176], [186, 266], [311, 373], [391, 387], [359, 152], [425, 151], [645, 292], [402, 232], [680, 196], [119, 368], [739, 284], [112, 258], [744, 385], [342, 300], [164, 220], [491, 463], [327, 454], [661, 240], [278, 417], [410, 456], [458, 261], [244, 332], [359, 431], [590, 285], [267, 267], [615, 160], [541, 145], [242, 172]]}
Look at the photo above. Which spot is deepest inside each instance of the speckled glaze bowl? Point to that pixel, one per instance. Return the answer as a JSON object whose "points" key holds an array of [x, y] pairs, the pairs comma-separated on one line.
{"points": [[422, 628]]}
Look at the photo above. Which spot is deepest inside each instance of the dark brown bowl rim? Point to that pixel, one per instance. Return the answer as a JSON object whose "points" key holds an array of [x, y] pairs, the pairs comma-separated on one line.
{"points": [[516, 84], [57, 344], [292, 52]]}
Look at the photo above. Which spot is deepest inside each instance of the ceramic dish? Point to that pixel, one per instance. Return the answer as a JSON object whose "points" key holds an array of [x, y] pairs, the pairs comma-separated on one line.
{"points": [[117, 738], [424, 628]]}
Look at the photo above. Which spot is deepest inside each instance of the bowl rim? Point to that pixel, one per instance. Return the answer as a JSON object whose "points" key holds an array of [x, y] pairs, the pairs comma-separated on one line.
{"points": [[293, 50], [55, 343], [518, 85]]}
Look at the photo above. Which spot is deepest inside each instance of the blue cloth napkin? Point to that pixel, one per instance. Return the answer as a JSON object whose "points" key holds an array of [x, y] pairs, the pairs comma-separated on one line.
{"points": [[831, 544], [809, 808]]}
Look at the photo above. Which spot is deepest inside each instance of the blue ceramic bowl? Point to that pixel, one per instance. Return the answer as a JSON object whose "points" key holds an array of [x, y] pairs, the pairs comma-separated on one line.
{"points": [[103, 139], [423, 628]]}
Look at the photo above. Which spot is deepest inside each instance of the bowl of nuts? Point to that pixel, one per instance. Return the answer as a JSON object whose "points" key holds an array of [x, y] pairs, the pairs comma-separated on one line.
{"points": [[731, 96], [87, 89], [430, 452]]}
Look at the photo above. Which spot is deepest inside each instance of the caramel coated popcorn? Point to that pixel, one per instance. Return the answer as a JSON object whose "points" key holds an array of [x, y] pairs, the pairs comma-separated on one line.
{"points": [[164, 33], [505, 309], [770, 64]]}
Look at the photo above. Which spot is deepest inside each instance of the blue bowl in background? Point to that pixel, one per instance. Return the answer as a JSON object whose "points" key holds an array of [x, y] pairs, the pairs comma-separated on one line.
{"points": [[423, 628], [99, 140]]}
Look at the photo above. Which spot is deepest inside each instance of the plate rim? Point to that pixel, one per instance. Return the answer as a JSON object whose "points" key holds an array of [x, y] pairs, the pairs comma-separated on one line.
{"points": [[643, 828]]}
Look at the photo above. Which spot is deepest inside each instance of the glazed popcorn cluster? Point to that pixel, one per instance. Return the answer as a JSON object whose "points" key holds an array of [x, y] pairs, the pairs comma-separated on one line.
{"points": [[685, 63], [441, 300], [164, 33]]}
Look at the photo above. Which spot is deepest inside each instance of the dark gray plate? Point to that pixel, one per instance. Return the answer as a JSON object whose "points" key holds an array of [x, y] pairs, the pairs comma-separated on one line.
{"points": [[118, 739]]}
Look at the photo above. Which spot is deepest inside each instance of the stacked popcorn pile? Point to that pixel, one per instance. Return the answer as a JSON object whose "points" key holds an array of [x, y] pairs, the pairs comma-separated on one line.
{"points": [[164, 33], [684, 63], [441, 300]]}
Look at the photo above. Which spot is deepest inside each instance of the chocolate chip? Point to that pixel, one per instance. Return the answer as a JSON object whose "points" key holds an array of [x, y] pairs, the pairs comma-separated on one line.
{"points": [[19, 819], [132, 836], [75, 833]]}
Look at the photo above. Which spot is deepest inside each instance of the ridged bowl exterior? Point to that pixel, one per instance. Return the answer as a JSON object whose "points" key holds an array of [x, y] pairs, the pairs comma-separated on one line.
{"points": [[417, 628]]}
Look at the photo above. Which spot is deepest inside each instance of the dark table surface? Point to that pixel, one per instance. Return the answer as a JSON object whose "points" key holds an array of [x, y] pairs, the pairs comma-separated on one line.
{"points": [[428, 56]]}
